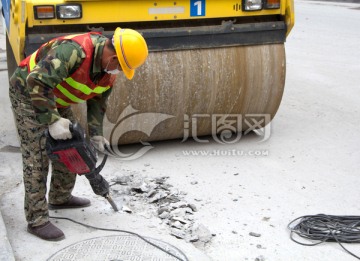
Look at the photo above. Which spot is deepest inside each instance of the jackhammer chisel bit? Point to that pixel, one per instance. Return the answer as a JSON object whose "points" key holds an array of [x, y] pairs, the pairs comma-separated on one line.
{"points": [[112, 203], [101, 187]]}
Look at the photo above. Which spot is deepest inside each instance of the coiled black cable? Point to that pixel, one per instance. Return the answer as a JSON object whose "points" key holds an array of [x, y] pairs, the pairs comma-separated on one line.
{"points": [[326, 228]]}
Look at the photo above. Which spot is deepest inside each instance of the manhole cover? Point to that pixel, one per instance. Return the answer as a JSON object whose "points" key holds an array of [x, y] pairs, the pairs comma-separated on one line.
{"points": [[116, 248]]}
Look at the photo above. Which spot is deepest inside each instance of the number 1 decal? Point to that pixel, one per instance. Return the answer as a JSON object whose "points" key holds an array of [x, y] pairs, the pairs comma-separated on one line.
{"points": [[197, 7], [198, 4]]}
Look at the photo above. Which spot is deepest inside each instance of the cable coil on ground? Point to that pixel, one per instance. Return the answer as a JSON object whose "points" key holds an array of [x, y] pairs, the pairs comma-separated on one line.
{"points": [[326, 228]]}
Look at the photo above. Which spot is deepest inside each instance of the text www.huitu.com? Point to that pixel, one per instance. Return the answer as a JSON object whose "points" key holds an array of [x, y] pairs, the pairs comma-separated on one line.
{"points": [[258, 153]]}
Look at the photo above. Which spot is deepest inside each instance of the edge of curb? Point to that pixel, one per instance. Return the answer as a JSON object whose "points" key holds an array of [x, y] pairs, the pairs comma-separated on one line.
{"points": [[6, 251]]}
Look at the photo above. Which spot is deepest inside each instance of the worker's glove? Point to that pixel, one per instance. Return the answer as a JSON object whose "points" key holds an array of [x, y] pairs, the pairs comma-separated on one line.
{"points": [[99, 142], [60, 129], [98, 184]]}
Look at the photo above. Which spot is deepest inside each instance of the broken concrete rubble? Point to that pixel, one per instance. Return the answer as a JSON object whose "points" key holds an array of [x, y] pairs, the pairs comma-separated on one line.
{"points": [[163, 200]]}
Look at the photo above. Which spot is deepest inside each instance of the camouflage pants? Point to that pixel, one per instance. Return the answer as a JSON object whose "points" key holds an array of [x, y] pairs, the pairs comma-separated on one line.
{"points": [[36, 163]]}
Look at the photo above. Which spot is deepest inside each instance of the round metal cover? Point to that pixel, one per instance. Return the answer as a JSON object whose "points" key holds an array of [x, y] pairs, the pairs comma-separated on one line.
{"points": [[116, 248]]}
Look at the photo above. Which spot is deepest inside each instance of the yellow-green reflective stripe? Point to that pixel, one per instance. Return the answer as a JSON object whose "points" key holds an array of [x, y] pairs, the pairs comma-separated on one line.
{"points": [[100, 89], [68, 94], [84, 88], [32, 62], [61, 102]]}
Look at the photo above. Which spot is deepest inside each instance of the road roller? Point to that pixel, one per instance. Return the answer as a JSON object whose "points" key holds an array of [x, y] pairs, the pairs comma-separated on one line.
{"points": [[212, 65]]}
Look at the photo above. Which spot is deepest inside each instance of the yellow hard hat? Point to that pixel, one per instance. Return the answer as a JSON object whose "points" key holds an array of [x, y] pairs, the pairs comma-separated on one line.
{"points": [[131, 50]]}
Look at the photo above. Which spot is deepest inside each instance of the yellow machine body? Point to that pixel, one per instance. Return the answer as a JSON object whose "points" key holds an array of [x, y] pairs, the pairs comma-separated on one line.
{"points": [[206, 57]]}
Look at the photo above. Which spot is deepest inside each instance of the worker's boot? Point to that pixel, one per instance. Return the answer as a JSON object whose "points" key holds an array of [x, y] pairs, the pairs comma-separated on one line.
{"points": [[46, 231], [73, 202]]}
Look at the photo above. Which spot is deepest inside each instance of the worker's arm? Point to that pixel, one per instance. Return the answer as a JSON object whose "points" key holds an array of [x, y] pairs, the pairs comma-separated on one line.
{"points": [[59, 62], [96, 108]]}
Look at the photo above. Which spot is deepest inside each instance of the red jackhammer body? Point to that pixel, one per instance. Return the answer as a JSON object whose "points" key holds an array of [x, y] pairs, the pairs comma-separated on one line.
{"points": [[80, 157]]}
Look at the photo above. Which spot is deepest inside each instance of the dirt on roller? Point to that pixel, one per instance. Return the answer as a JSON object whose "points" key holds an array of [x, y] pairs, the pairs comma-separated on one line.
{"points": [[173, 85]]}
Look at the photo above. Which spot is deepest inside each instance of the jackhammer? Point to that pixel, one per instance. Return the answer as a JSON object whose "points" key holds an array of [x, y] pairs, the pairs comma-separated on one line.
{"points": [[80, 156]]}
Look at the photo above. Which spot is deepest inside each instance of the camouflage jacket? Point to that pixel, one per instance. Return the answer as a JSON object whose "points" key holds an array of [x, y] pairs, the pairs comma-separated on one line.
{"points": [[58, 61]]}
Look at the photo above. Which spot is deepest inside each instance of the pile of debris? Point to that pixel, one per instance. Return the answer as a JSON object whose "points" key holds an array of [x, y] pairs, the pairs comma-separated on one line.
{"points": [[166, 202]]}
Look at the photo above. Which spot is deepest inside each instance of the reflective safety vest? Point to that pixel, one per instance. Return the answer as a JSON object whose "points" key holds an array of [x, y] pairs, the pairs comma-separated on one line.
{"points": [[78, 87]]}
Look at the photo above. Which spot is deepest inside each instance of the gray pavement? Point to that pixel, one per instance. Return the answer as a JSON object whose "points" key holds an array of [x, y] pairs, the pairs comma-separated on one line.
{"points": [[6, 252], [311, 164]]}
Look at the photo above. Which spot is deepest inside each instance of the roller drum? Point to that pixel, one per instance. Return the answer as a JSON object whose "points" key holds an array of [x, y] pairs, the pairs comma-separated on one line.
{"points": [[174, 87]]}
